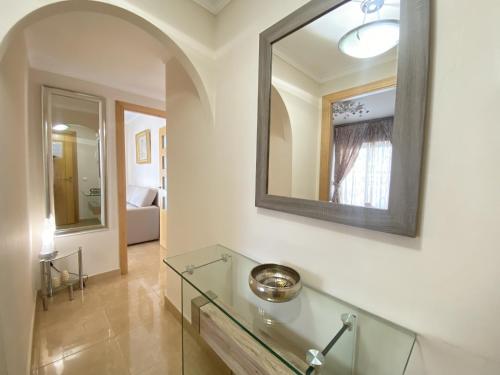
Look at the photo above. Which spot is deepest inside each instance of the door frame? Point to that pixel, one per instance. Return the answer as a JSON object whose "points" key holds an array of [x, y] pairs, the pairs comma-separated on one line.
{"points": [[326, 142], [120, 108], [76, 202]]}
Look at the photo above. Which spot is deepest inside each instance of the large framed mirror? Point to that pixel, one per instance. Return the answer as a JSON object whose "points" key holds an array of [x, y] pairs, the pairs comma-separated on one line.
{"points": [[75, 160], [342, 95]]}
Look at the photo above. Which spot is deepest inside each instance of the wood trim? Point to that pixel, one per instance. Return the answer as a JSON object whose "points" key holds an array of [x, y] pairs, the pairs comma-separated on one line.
{"points": [[104, 275], [142, 109], [162, 132], [170, 307], [73, 139], [326, 143], [120, 108]]}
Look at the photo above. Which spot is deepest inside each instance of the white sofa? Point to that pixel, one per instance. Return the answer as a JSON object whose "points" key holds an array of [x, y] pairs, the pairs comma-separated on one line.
{"points": [[143, 214]]}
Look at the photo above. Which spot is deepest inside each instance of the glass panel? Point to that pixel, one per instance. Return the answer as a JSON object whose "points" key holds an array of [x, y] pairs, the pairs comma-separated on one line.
{"points": [[74, 127], [197, 357], [334, 90], [288, 330]]}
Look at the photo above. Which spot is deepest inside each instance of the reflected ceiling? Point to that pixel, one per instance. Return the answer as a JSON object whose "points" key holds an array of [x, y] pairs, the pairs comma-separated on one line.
{"points": [[320, 39]]}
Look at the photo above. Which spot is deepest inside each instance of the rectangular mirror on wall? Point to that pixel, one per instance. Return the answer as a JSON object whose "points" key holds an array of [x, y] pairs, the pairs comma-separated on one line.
{"points": [[75, 149], [342, 92]]}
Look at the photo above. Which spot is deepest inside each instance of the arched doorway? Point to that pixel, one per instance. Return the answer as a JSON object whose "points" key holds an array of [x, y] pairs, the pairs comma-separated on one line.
{"points": [[280, 150], [125, 11], [155, 28]]}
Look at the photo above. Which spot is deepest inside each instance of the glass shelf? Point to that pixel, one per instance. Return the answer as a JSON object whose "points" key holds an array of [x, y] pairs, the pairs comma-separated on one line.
{"points": [[60, 255], [289, 330]]}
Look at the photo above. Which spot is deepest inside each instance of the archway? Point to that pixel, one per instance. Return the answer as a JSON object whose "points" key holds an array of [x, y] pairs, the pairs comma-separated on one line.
{"points": [[128, 13], [153, 27], [280, 148]]}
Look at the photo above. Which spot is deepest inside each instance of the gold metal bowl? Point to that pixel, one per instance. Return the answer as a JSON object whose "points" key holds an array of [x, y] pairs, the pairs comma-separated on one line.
{"points": [[274, 282]]}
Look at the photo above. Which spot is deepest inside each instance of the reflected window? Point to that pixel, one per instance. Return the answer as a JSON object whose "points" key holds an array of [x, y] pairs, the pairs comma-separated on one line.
{"points": [[367, 183], [362, 149]]}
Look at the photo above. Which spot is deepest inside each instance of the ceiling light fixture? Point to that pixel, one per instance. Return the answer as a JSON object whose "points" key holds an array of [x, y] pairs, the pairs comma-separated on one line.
{"points": [[349, 108], [372, 38], [60, 127]]}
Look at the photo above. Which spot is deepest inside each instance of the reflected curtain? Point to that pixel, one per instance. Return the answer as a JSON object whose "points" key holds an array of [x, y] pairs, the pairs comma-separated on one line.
{"points": [[348, 141], [368, 182]]}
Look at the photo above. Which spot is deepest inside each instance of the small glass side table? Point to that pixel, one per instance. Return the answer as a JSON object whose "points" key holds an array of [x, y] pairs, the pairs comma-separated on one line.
{"points": [[46, 276]]}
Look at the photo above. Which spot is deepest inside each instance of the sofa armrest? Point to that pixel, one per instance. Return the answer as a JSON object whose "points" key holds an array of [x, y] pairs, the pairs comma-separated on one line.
{"points": [[143, 224]]}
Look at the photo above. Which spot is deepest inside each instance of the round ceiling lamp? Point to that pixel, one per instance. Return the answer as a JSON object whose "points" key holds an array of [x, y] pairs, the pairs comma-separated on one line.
{"points": [[372, 38], [60, 127]]}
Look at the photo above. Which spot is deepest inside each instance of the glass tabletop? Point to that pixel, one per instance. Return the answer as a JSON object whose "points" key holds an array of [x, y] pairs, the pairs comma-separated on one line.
{"points": [[290, 329], [60, 255]]}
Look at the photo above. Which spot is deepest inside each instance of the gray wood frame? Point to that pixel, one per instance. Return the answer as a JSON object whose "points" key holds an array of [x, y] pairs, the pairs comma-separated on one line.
{"points": [[408, 128]]}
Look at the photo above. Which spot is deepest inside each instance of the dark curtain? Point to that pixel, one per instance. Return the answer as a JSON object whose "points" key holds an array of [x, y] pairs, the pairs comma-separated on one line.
{"points": [[347, 141]]}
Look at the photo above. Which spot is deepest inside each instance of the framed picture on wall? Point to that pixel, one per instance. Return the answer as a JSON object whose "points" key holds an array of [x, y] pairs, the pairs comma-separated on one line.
{"points": [[143, 147]]}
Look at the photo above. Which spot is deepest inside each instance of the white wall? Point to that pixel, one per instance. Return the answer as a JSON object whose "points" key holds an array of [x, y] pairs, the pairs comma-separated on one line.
{"points": [[185, 28], [301, 96], [374, 73], [280, 148], [442, 284], [142, 174], [100, 247], [192, 177], [17, 259]]}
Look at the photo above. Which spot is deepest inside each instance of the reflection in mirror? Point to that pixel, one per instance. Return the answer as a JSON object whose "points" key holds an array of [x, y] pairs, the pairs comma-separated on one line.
{"points": [[73, 138], [332, 106]]}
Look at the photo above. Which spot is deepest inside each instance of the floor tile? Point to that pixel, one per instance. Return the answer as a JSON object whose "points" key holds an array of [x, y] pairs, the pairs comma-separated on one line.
{"points": [[117, 325], [102, 359]]}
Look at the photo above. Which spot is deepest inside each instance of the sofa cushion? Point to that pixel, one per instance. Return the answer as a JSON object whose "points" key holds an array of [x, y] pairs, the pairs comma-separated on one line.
{"points": [[130, 192], [141, 196]]}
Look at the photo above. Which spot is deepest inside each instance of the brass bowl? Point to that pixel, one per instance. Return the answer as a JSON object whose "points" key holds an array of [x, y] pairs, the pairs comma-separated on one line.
{"points": [[274, 282]]}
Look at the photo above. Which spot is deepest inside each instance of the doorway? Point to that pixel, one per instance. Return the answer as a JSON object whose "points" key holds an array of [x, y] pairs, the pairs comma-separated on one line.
{"points": [[143, 157], [64, 157]]}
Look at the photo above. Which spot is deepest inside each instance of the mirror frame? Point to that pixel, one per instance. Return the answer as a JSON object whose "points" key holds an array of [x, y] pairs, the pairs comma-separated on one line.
{"points": [[408, 128], [47, 93]]}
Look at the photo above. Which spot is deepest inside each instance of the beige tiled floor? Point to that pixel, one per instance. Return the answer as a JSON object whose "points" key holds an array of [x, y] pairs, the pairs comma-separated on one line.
{"points": [[117, 325]]}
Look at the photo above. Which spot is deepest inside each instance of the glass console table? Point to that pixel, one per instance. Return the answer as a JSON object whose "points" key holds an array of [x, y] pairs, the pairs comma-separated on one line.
{"points": [[251, 335]]}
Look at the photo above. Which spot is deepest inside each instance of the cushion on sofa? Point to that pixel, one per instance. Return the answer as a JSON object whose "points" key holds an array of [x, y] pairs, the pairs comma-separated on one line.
{"points": [[141, 196]]}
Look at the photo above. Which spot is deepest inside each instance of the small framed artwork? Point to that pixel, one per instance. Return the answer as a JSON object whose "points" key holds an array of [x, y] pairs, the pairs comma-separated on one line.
{"points": [[143, 147]]}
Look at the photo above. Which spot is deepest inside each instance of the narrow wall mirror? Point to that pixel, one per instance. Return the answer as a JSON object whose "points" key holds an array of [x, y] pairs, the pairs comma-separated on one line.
{"points": [[342, 92], [75, 163]]}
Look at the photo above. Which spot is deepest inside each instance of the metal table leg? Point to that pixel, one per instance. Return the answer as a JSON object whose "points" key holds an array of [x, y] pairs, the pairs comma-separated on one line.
{"points": [[43, 286], [49, 277], [80, 268], [70, 288]]}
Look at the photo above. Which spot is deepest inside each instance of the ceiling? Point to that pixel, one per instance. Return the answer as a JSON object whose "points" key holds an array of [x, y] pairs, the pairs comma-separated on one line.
{"points": [[101, 49], [379, 104], [313, 49], [213, 6]]}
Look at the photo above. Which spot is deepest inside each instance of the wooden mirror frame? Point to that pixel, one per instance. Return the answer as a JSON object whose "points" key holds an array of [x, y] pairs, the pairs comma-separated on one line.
{"points": [[408, 128]]}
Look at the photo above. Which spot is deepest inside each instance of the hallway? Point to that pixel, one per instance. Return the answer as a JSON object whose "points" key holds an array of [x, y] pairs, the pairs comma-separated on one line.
{"points": [[118, 325]]}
